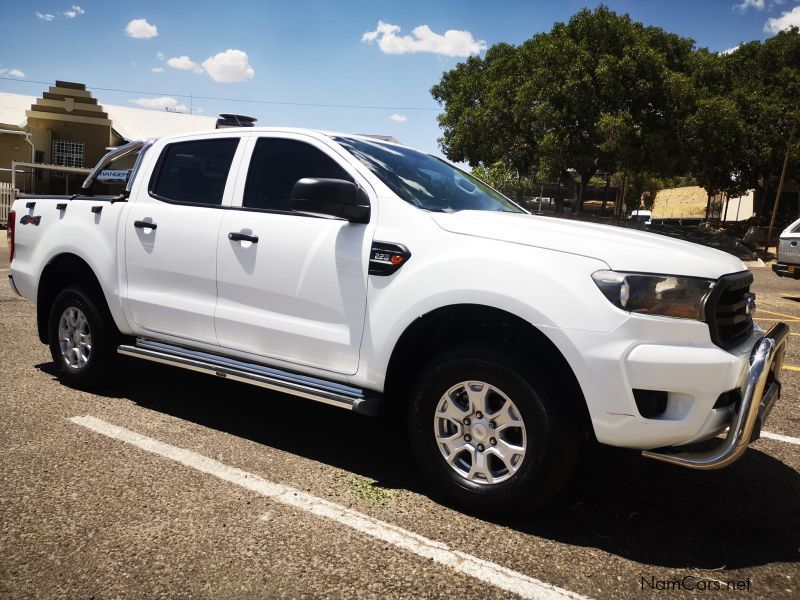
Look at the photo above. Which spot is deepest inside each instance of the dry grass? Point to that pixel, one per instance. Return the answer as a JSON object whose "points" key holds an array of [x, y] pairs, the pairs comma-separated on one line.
{"points": [[682, 202]]}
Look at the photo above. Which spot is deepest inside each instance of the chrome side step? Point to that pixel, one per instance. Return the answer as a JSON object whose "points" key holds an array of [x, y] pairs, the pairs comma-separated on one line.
{"points": [[329, 392]]}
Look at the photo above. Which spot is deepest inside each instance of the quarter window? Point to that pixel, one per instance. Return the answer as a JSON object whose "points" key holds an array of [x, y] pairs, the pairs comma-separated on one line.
{"points": [[277, 165], [194, 172]]}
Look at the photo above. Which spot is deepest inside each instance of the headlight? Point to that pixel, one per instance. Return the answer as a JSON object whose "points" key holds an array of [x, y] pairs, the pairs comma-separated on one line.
{"points": [[666, 295]]}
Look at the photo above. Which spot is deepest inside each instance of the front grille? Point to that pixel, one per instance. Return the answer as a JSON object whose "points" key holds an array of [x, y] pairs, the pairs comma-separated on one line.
{"points": [[726, 310]]}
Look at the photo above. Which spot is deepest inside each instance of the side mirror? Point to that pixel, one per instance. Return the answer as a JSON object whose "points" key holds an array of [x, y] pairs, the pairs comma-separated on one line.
{"points": [[331, 198]]}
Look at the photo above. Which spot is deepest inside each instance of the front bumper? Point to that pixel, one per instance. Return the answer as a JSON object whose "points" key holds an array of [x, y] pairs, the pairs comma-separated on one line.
{"points": [[786, 270], [761, 391]]}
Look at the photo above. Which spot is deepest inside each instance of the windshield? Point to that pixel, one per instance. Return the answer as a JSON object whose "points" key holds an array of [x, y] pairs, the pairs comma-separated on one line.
{"points": [[425, 181]]}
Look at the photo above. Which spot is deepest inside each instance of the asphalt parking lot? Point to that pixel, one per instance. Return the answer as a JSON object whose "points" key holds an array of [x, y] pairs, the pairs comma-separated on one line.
{"points": [[174, 484]]}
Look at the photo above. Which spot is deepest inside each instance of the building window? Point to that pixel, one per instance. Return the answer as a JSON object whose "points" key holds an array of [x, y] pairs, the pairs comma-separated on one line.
{"points": [[69, 154]]}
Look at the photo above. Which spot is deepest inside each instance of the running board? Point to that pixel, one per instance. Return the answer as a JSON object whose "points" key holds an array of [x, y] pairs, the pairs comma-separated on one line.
{"points": [[328, 392]]}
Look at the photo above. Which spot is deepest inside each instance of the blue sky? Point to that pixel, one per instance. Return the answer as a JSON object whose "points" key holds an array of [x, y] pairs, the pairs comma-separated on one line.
{"points": [[314, 51]]}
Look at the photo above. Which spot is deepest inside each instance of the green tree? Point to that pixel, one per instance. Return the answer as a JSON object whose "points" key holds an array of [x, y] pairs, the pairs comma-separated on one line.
{"points": [[714, 136], [763, 79], [600, 92], [505, 179]]}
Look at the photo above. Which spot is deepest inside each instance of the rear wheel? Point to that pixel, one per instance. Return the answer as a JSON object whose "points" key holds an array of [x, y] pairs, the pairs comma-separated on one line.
{"points": [[487, 433], [80, 339]]}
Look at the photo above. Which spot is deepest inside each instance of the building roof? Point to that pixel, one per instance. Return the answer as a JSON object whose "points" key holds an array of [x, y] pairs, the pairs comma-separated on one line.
{"points": [[130, 123], [13, 107], [138, 123]]}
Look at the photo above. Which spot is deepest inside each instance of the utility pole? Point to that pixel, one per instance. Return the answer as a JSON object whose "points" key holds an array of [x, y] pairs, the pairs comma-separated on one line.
{"points": [[727, 201], [783, 176]]}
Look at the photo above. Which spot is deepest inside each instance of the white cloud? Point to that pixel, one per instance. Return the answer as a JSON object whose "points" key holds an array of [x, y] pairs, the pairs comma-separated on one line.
{"points": [[398, 118], [160, 56], [231, 66], [73, 11], [184, 63], [786, 20], [757, 4], [729, 50], [141, 29], [12, 73], [454, 42], [70, 13], [161, 103]]}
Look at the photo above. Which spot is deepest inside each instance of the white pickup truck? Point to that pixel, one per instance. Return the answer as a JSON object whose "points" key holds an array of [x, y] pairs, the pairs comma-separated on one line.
{"points": [[376, 278], [788, 263]]}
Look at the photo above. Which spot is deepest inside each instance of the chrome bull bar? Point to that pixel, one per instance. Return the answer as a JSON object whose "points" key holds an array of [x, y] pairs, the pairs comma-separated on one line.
{"points": [[760, 393]]}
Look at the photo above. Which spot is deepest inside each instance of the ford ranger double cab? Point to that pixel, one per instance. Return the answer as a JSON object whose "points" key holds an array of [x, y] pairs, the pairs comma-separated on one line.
{"points": [[373, 277]]}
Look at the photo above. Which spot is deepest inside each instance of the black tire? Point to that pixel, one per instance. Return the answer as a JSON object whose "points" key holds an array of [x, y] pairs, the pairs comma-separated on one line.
{"points": [[102, 361], [551, 423]]}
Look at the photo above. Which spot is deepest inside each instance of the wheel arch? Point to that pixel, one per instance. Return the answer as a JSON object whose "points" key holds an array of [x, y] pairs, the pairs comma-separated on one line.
{"points": [[443, 327], [62, 271]]}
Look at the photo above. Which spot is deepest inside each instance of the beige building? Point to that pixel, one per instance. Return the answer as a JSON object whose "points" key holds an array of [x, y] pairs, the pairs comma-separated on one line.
{"points": [[66, 126]]}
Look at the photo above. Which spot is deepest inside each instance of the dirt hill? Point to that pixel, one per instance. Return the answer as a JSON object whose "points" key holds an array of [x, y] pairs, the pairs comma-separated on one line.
{"points": [[680, 202]]}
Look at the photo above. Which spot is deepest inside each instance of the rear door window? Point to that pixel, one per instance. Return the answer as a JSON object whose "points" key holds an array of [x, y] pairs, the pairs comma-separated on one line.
{"points": [[278, 164], [194, 172]]}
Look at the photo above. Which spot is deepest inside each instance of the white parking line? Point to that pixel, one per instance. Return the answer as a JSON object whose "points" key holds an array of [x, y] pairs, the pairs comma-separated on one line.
{"points": [[780, 437], [488, 572]]}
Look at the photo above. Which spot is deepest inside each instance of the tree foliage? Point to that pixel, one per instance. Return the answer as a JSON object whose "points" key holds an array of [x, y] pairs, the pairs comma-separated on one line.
{"points": [[604, 93], [507, 180]]}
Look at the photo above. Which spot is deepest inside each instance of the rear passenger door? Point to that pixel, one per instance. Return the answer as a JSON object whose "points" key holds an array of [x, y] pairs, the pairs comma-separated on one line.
{"points": [[171, 240], [298, 293]]}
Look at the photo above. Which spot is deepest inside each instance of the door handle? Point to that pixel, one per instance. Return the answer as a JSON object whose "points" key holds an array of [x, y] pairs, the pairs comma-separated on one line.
{"points": [[144, 225], [242, 237]]}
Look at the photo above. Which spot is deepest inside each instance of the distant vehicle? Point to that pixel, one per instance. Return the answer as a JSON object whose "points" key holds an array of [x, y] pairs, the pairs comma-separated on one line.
{"points": [[788, 264], [643, 216]]}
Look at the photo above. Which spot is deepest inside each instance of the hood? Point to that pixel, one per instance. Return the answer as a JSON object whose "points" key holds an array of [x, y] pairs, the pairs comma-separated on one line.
{"points": [[621, 248]]}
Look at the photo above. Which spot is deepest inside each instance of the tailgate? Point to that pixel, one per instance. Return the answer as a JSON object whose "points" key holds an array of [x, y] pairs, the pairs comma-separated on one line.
{"points": [[789, 250]]}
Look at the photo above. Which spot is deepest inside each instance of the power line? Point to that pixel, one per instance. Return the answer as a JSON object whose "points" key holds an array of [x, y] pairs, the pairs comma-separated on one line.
{"points": [[245, 100]]}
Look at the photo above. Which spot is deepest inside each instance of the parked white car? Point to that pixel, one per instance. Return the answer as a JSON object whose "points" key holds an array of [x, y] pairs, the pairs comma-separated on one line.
{"points": [[379, 279], [642, 216], [788, 263]]}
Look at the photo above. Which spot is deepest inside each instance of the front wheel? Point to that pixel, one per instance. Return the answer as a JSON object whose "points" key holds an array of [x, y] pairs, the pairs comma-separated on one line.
{"points": [[81, 341], [487, 433]]}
